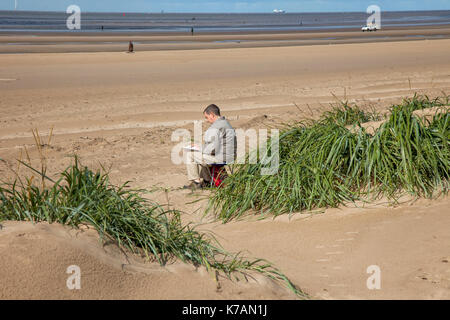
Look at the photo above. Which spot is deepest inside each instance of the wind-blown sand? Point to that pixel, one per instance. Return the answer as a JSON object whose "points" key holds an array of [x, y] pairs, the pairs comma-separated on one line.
{"points": [[120, 109]]}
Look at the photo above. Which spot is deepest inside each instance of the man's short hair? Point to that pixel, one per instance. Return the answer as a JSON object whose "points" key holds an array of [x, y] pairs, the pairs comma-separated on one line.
{"points": [[212, 108]]}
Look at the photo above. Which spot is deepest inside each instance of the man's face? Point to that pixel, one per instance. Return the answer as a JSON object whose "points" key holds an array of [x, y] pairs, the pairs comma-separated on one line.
{"points": [[210, 117]]}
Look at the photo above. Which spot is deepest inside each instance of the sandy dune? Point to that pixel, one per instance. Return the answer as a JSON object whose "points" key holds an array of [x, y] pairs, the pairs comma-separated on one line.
{"points": [[120, 110], [36, 259]]}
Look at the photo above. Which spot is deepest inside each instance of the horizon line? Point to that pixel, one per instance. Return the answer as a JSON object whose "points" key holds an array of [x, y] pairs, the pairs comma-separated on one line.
{"points": [[218, 12]]}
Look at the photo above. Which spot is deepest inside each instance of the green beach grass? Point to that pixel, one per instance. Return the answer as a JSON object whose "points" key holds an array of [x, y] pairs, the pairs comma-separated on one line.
{"points": [[335, 160], [80, 196]]}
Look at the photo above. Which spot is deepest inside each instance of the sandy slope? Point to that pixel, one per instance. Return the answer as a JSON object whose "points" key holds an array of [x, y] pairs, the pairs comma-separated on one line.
{"points": [[329, 253], [121, 110], [35, 259]]}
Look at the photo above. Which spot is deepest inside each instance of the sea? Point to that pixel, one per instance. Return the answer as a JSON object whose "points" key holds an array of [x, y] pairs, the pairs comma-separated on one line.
{"points": [[213, 22]]}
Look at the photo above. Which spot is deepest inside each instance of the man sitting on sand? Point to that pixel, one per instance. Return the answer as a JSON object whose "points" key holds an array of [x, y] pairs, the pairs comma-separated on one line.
{"points": [[219, 148]]}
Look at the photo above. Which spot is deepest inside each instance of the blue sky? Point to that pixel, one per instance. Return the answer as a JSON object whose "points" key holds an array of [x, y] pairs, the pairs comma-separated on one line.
{"points": [[224, 5]]}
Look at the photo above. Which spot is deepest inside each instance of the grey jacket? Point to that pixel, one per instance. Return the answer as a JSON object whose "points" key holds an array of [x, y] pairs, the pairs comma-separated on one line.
{"points": [[220, 141]]}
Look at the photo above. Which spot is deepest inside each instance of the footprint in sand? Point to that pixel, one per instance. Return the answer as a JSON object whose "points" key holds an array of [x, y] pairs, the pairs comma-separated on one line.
{"points": [[345, 239], [323, 260], [334, 253], [342, 241], [341, 285]]}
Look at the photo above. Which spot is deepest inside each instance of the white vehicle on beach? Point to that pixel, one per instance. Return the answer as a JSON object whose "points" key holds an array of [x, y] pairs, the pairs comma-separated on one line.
{"points": [[369, 28], [278, 11]]}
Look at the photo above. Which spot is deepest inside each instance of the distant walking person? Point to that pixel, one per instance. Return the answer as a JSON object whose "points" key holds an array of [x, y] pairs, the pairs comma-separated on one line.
{"points": [[130, 47], [192, 31]]}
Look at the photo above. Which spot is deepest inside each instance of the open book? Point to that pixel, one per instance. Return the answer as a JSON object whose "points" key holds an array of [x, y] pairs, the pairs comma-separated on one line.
{"points": [[192, 148]]}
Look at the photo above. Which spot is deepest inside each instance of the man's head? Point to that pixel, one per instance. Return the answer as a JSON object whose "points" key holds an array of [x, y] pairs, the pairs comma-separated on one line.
{"points": [[211, 113]]}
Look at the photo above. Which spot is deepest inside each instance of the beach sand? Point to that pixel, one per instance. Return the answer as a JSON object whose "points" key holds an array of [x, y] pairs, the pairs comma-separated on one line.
{"points": [[28, 41], [120, 110]]}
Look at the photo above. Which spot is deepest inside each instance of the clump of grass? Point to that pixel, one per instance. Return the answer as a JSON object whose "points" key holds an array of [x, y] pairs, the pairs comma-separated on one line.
{"points": [[324, 164], [345, 114], [81, 196]]}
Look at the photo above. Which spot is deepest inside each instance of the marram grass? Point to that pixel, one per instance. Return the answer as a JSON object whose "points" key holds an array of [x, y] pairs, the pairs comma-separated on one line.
{"points": [[81, 196], [324, 163]]}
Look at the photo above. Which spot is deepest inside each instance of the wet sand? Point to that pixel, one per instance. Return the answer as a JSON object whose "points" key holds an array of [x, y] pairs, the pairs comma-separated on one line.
{"points": [[39, 42]]}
